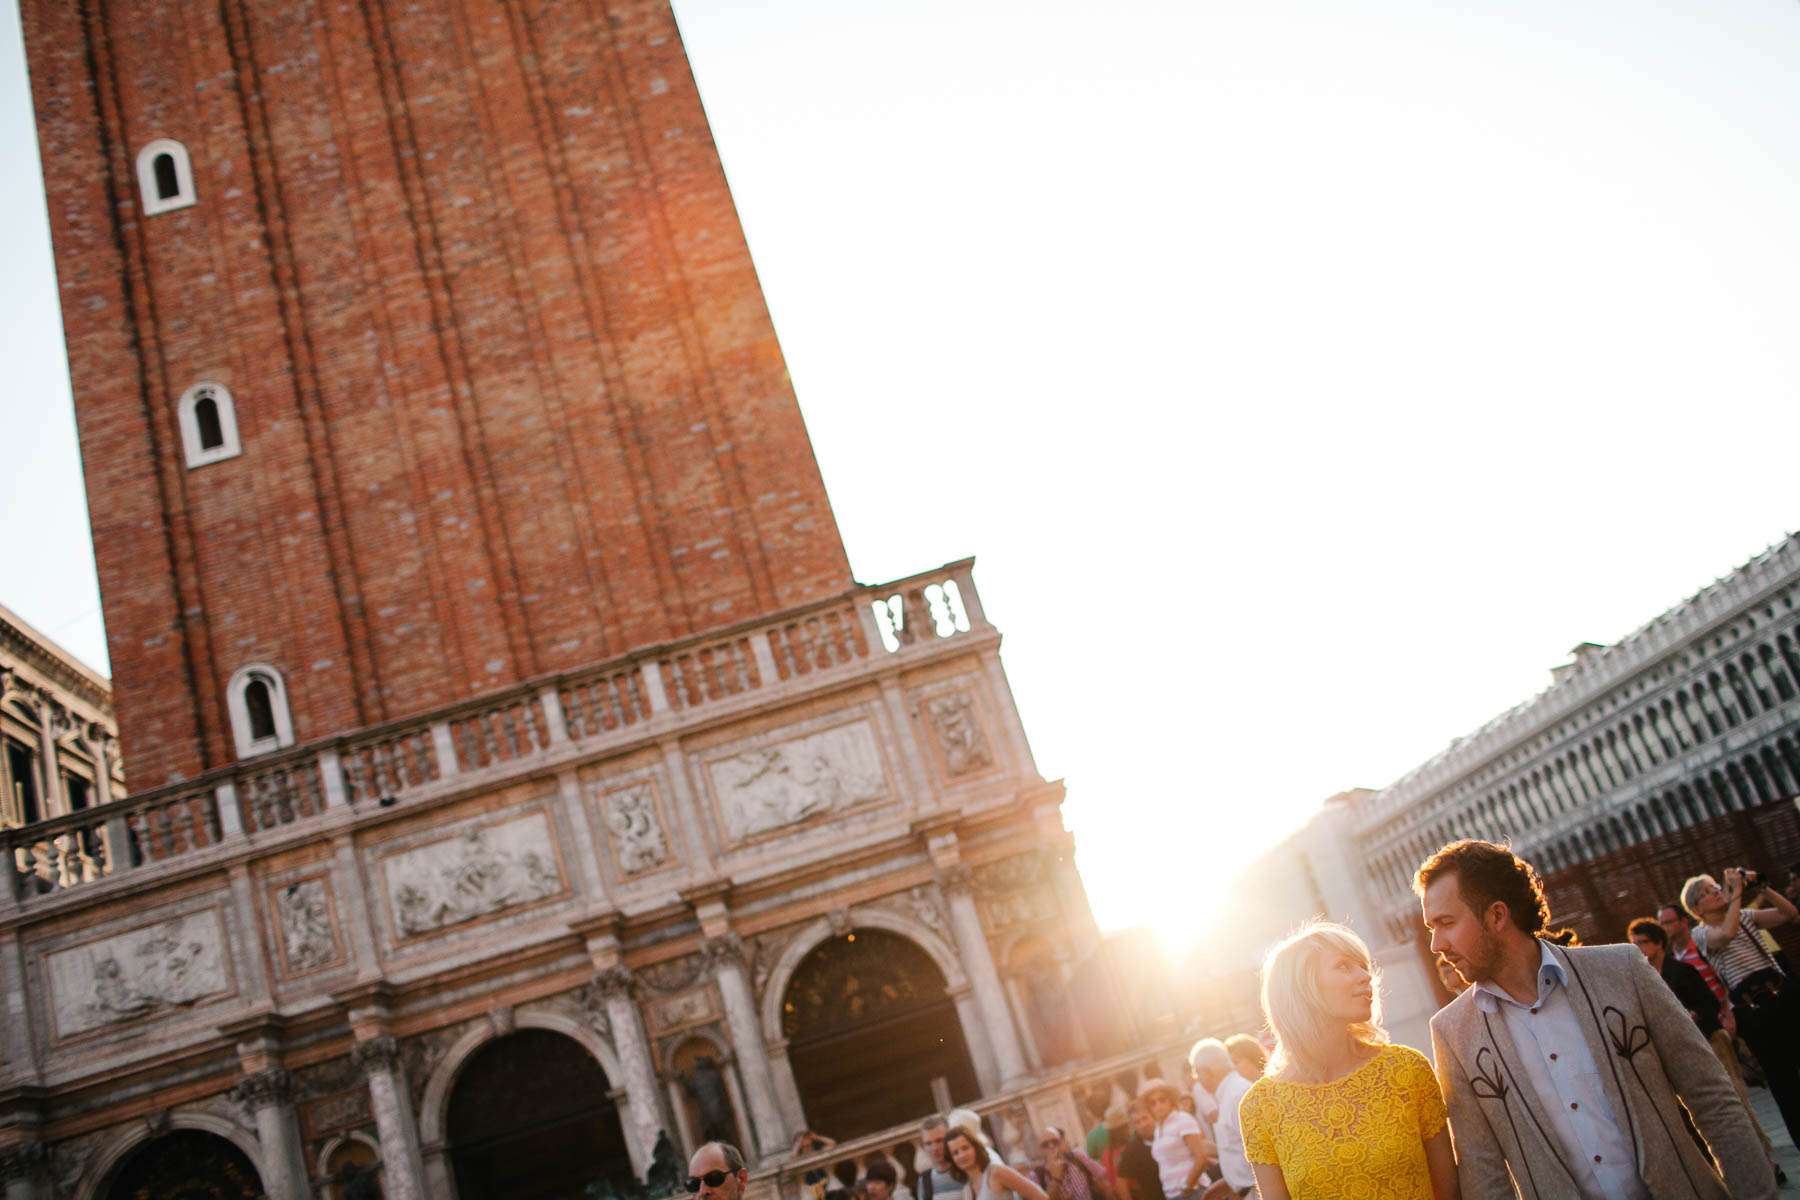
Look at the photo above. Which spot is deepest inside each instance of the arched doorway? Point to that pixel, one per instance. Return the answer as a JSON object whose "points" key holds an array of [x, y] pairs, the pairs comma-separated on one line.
{"points": [[869, 1024], [530, 1118], [187, 1164]]}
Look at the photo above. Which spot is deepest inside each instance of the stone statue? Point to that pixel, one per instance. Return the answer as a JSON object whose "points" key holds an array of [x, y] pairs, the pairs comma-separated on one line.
{"points": [[358, 1182], [706, 1084], [664, 1178]]}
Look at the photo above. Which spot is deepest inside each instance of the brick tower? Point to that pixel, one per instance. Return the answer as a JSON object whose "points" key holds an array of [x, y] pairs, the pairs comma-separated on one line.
{"points": [[517, 775], [417, 352]]}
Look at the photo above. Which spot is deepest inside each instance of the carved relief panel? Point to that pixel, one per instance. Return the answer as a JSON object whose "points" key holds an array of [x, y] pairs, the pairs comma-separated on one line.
{"points": [[957, 731], [476, 874], [175, 963], [308, 934], [766, 787], [636, 824]]}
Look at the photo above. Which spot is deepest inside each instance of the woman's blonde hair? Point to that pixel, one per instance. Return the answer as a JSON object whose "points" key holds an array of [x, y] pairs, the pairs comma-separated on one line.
{"points": [[1292, 1002]]}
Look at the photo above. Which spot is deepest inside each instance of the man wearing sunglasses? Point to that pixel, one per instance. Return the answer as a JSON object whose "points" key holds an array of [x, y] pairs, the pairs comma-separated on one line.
{"points": [[717, 1172]]}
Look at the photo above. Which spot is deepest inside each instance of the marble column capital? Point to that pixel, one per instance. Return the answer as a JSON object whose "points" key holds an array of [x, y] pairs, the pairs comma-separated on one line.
{"points": [[264, 1088], [957, 879], [24, 1160], [376, 1055], [725, 949], [618, 980]]}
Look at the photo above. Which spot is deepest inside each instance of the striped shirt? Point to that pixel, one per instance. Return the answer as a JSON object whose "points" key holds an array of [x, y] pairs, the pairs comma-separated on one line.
{"points": [[1690, 954], [1741, 957], [1174, 1158]]}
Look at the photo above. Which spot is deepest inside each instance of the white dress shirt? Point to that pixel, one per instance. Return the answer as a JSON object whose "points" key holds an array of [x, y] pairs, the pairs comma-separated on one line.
{"points": [[1560, 1068], [1230, 1130]]}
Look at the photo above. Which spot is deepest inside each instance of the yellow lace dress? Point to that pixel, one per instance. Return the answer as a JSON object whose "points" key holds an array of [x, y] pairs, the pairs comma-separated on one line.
{"points": [[1361, 1137]]}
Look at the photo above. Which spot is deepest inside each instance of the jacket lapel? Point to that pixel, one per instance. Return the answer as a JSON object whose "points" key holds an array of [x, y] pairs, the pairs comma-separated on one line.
{"points": [[1611, 1038], [1503, 1071]]}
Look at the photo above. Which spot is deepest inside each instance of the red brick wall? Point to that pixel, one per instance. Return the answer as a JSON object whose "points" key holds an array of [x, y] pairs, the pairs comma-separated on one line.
{"points": [[509, 396]]}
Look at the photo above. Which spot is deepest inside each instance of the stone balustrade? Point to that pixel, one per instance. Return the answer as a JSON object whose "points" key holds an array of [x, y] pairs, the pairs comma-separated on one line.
{"points": [[649, 693]]}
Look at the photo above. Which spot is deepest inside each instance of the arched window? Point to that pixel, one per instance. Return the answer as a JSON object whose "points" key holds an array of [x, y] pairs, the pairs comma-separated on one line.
{"points": [[259, 710], [165, 178], [209, 431]]}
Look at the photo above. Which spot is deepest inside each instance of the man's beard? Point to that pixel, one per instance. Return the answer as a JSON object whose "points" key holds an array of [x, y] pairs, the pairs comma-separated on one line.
{"points": [[1483, 963]]}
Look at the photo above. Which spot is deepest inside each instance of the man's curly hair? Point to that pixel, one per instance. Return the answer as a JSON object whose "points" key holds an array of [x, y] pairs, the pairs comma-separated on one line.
{"points": [[1488, 873]]}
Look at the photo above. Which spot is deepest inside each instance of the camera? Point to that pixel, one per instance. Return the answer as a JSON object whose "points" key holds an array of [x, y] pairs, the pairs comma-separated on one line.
{"points": [[1753, 883]]}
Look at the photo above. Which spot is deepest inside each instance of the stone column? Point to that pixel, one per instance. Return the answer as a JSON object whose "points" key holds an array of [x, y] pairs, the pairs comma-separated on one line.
{"points": [[725, 956], [402, 1167], [51, 800], [618, 988], [787, 1091], [25, 1172], [975, 1036], [990, 997], [269, 1095]]}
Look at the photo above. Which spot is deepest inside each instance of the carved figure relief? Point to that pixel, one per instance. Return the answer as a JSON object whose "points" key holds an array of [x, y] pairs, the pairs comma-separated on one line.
{"points": [[637, 832], [771, 786], [956, 723], [308, 937], [174, 964], [483, 871]]}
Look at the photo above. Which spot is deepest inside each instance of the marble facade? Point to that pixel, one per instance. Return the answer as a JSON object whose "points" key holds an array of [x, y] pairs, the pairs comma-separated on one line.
{"points": [[291, 984]]}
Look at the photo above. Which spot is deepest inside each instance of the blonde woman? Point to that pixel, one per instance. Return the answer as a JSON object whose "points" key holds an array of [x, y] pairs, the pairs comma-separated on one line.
{"points": [[1341, 1114]]}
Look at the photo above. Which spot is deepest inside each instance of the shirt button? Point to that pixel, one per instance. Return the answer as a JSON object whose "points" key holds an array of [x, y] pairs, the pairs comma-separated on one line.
{"points": [[1596, 1158], [1573, 1105], [1553, 1058]]}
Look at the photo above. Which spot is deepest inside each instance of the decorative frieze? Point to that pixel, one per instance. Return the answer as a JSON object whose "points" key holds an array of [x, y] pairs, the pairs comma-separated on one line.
{"points": [[768, 787], [173, 964], [484, 870]]}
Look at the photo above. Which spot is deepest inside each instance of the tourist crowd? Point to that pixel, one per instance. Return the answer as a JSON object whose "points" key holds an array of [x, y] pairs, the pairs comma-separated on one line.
{"points": [[1558, 1070]]}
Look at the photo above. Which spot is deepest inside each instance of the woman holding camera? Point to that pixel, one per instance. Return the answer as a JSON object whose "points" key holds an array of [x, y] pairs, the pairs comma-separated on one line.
{"points": [[1765, 1000]]}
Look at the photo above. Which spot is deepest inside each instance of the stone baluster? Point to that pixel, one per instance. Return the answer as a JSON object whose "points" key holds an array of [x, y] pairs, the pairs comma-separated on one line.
{"points": [[618, 991], [25, 1171], [958, 885], [402, 1166], [269, 1095], [724, 955]]}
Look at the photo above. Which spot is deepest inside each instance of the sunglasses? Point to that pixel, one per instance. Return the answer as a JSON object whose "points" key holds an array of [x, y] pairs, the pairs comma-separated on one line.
{"points": [[711, 1179]]}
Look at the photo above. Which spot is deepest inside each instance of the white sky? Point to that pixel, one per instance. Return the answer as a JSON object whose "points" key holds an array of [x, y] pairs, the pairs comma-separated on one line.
{"points": [[1307, 377]]}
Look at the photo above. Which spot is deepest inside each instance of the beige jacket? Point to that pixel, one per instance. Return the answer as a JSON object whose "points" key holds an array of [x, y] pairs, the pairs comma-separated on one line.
{"points": [[1648, 1051]]}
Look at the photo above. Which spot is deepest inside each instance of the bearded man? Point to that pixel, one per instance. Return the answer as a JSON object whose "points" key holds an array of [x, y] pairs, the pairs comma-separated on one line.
{"points": [[1562, 1066]]}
